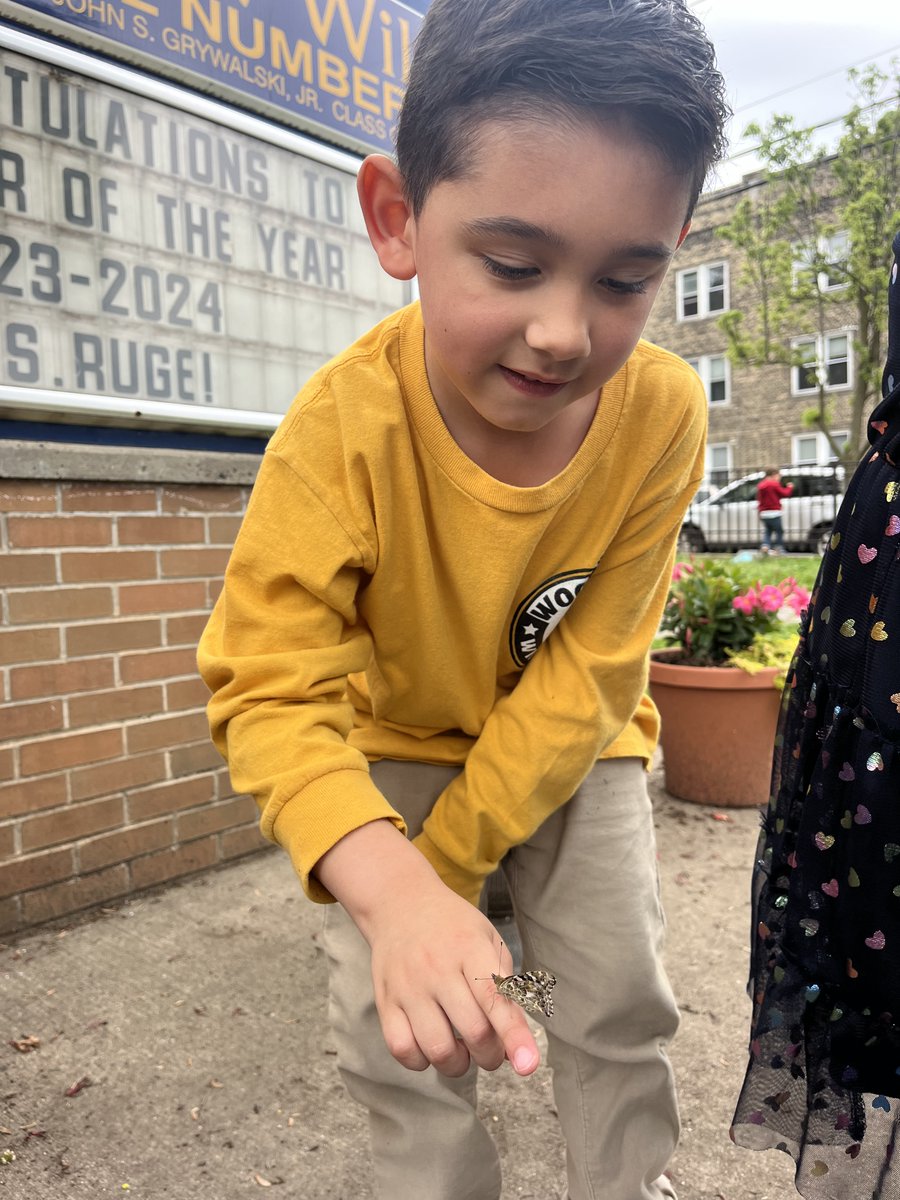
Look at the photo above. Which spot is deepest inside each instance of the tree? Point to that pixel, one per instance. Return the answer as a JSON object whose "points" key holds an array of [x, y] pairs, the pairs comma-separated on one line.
{"points": [[816, 235]]}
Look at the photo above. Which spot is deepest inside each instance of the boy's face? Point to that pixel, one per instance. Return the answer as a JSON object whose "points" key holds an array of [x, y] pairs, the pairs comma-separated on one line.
{"points": [[537, 270]]}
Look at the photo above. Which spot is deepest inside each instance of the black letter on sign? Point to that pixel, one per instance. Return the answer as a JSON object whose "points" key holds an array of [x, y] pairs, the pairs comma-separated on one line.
{"points": [[12, 179]]}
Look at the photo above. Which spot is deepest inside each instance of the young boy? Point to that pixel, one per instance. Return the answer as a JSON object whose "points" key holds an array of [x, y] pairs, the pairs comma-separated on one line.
{"points": [[437, 615]]}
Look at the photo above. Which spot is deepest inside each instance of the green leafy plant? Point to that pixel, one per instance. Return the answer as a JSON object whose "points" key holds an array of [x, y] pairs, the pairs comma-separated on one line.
{"points": [[773, 649], [713, 619]]}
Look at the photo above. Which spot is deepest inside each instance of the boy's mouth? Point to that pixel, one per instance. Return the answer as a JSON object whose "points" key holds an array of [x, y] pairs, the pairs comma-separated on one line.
{"points": [[532, 385]]}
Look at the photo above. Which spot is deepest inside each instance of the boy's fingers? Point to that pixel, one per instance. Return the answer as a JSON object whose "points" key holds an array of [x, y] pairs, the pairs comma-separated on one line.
{"points": [[482, 1041], [525, 1060], [512, 1029], [423, 1040], [519, 1044], [401, 1041]]}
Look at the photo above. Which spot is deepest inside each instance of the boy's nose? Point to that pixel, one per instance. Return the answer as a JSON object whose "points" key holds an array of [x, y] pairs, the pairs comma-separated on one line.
{"points": [[560, 332]]}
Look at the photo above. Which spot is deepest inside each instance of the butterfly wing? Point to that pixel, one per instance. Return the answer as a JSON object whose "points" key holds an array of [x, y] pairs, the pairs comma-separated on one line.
{"points": [[531, 990]]}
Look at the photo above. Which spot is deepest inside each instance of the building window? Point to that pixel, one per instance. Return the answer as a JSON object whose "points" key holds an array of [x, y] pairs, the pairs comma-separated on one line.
{"points": [[834, 251], [702, 291], [840, 437], [825, 358], [715, 372], [718, 463], [806, 450], [814, 449]]}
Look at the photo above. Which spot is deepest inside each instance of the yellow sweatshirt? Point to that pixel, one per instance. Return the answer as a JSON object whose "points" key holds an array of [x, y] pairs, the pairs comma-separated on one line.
{"points": [[387, 598]]}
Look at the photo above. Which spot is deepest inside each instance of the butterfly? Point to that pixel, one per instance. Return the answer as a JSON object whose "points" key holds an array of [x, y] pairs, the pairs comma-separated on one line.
{"points": [[532, 990]]}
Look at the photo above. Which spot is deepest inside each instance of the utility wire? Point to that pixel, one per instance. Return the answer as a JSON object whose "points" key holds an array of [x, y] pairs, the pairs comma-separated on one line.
{"points": [[796, 87], [813, 128]]}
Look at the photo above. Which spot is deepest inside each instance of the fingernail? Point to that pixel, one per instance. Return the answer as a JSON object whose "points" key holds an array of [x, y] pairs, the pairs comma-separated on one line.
{"points": [[524, 1060]]}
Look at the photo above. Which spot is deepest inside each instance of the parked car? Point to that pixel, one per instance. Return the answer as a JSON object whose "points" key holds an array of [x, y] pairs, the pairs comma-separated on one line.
{"points": [[729, 520], [705, 491]]}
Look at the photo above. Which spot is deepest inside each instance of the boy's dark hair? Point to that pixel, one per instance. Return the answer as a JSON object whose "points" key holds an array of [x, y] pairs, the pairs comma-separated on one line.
{"points": [[646, 62]]}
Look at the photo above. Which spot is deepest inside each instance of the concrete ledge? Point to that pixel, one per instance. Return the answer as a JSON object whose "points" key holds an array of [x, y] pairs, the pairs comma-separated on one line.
{"points": [[52, 460]]}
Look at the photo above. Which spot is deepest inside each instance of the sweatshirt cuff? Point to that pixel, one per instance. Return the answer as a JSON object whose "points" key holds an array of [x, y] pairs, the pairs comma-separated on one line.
{"points": [[325, 811], [467, 884]]}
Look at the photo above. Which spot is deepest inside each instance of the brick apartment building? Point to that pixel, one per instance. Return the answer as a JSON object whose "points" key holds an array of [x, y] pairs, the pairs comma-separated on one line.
{"points": [[755, 413]]}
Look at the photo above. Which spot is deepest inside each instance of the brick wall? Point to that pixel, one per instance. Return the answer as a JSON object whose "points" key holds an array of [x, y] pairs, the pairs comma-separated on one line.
{"points": [[108, 781]]}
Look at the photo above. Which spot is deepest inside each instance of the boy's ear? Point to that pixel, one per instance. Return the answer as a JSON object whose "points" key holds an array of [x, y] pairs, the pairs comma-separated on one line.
{"points": [[387, 214], [685, 230]]}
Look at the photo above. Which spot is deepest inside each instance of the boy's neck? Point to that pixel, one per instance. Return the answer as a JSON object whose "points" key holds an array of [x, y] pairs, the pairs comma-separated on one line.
{"points": [[524, 459]]}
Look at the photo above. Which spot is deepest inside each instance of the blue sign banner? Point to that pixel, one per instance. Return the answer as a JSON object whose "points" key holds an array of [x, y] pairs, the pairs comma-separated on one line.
{"points": [[334, 68]]}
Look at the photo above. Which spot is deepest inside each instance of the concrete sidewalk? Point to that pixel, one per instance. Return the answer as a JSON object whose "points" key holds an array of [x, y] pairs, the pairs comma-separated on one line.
{"points": [[183, 1047]]}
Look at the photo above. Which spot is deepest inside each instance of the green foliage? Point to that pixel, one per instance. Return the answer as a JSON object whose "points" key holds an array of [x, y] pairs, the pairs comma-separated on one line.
{"points": [[772, 649], [810, 417], [803, 568], [712, 616], [811, 195]]}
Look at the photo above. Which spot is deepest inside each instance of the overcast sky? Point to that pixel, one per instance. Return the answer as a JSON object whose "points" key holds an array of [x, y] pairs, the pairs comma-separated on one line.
{"points": [[792, 56]]}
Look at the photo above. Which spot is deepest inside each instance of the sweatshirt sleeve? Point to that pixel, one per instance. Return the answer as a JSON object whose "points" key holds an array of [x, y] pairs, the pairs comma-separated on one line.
{"points": [[574, 697], [281, 640]]}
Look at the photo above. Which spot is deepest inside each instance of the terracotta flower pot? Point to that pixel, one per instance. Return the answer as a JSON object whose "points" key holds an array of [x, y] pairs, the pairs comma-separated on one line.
{"points": [[718, 731]]}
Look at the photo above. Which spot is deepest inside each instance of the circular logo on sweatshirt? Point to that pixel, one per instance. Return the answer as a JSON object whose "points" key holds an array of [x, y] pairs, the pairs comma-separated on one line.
{"points": [[540, 612]]}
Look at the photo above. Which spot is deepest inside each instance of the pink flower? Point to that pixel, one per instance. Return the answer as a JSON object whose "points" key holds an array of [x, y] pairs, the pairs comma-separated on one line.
{"points": [[753, 600], [681, 569], [797, 600], [771, 598]]}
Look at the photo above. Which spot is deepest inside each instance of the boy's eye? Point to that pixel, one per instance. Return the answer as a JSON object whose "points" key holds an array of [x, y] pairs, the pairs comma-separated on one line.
{"points": [[635, 288], [504, 271], [501, 270]]}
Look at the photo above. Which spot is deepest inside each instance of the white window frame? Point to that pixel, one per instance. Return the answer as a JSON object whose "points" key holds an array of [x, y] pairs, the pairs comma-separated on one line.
{"points": [[703, 366], [834, 248], [802, 459], [839, 435], [820, 343], [705, 289], [712, 469], [823, 454]]}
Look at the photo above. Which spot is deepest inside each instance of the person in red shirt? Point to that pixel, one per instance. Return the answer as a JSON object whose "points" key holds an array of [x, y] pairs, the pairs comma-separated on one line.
{"points": [[769, 494]]}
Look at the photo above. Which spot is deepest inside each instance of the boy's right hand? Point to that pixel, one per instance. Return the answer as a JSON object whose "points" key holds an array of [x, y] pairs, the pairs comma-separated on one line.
{"points": [[433, 954]]}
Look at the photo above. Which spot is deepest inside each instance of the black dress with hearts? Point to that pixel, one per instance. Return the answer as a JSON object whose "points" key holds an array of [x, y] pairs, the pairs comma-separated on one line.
{"points": [[823, 1081]]}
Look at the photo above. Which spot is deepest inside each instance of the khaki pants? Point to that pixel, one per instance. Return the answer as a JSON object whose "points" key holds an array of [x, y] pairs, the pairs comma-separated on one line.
{"points": [[585, 892]]}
